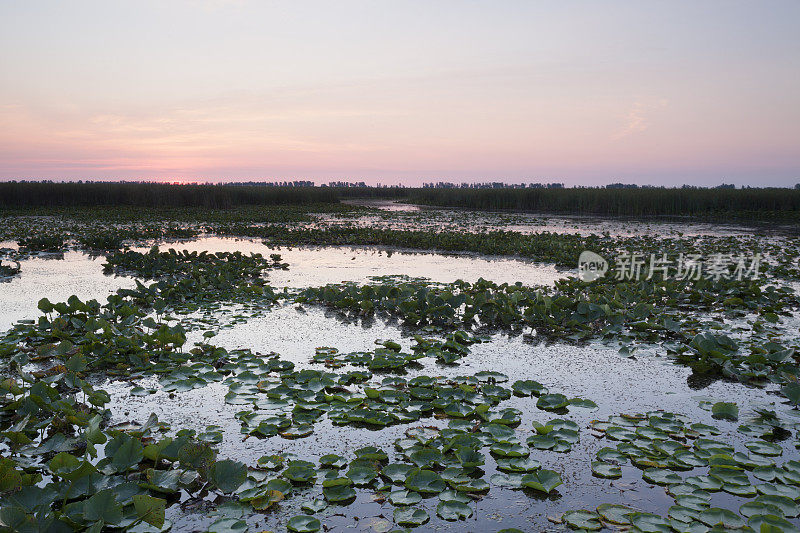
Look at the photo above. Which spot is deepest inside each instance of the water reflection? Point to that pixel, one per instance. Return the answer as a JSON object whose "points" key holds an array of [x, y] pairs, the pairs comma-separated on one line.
{"points": [[313, 266], [593, 371], [55, 277]]}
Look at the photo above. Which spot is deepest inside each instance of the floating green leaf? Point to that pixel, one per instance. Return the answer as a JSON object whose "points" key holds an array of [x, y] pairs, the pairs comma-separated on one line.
{"points": [[150, 510], [725, 411], [228, 475], [409, 516], [303, 524], [582, 519], [542, 480], [453, 510], [425, 481]]}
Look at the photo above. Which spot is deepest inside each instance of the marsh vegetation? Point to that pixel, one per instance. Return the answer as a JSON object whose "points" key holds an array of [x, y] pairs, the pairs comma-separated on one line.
{"points": [[210, 391]]}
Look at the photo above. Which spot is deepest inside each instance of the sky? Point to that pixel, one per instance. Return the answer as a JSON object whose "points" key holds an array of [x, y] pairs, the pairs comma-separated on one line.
{"points": [[667, 92]]}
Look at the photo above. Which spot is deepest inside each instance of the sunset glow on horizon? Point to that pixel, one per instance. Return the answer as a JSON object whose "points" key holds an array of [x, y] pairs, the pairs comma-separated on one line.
{"points": [[584, 93]]}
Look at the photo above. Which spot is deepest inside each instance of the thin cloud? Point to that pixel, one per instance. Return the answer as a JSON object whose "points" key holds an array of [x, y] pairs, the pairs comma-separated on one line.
{"points": [[637, 119]]}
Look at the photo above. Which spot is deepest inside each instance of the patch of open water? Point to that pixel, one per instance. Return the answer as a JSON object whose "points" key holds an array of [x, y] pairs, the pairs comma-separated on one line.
{"points": [[55, 277], [314, 266]]}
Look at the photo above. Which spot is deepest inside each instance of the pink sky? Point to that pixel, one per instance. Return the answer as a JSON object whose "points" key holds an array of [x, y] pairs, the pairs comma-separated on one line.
{"points": [[403, 92]]}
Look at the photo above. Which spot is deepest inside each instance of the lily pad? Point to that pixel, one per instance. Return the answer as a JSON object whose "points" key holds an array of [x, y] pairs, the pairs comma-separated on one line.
{"points": [[453, 510], [425, 482], [332, 461], [228, 475], [717, 516], [552, 402], [314, 506], [528, 388], [543, 480], [396, 472], [772, 524], [614, 513], [518, 464], [649, 523], [763, 447], [362, 475], [725, 411], [606, 470], [661, 476], [338, 493], [150, 510], [508, 449], [303, 524], [410, 516], [404, 497], [583, 520]]}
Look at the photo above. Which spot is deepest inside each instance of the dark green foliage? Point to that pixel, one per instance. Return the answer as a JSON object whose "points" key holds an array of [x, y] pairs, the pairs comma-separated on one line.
{"points": [[562, 249], [170, 264], [719, 203], [42, 243], [9, 270], [757, 204], [109, 227], [9, 263], [33, 194], [575, 309]]}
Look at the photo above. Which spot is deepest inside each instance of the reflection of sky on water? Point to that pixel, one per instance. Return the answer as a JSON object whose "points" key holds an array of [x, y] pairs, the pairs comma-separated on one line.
{"points": [[597, 372]]}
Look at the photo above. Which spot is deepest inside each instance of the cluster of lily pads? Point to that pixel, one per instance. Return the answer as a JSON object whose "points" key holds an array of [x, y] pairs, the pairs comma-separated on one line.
{"points": [[692, 464], [121, 336], [390, 357], [42, 243], [101, 228], [170, 264], [104, 239], [562, 249], [9, 263], [429, 460], [288, 402], [647, 311], [52, 433], [64, 469], [111, 227], [55, 474]]}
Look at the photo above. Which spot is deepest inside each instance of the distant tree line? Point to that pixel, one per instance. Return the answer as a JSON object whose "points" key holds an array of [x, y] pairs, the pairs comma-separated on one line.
{"points": [[42, 194], [296, 183], [616, 199], [490, 185]]}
